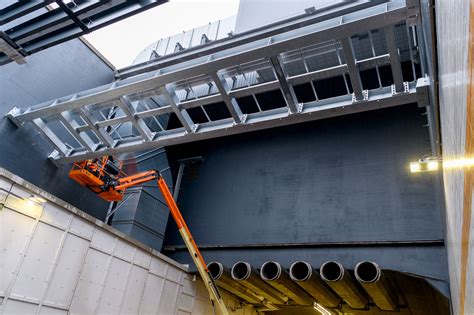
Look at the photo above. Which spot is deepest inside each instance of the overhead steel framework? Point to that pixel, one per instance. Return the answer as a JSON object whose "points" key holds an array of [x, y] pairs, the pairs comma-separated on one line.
{"points": [[133, 113], [27, 27]]}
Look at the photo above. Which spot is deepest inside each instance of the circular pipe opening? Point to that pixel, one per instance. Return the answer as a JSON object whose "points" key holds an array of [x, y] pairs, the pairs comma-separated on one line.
{"points": [[367, 271], [300, 271], [240, 271], [215, 269], [332, 271], [271, 270]]}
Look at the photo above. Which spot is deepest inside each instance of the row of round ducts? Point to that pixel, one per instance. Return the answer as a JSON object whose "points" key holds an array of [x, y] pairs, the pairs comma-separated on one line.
{"points": [[304, 285]]}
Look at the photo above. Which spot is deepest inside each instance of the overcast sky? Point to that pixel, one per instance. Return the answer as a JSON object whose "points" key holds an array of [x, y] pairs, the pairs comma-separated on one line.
{"points": [[121, 42]]}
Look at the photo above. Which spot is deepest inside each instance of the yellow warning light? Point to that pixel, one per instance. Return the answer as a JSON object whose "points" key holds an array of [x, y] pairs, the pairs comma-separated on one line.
{"points": [[425, 164], [431, 163], [415, 167], [432, 166], [35, 200]]}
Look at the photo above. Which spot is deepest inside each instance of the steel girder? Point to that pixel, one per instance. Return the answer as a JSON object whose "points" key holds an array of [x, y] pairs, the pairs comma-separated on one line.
{"points": [[94, 120], [30, 26]]}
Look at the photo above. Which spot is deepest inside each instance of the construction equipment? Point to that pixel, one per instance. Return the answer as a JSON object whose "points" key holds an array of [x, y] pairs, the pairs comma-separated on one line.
{"points": [[105, 177]]}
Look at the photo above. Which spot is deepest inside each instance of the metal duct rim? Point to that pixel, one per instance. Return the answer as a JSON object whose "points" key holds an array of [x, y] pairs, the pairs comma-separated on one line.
{"points": [[264, 271], [212, 268], [331, 265], [237, 266], [367, 272], [295, 265]]}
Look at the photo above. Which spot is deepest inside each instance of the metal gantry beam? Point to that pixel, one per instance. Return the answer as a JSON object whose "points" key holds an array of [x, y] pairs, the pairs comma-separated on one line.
{"points": [[343, 105], [243, 38], [133, 95], [378, 16]]}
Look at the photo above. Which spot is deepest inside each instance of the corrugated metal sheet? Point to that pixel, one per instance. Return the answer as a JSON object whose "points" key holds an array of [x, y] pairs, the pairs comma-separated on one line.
{"points": [[256, 13]]}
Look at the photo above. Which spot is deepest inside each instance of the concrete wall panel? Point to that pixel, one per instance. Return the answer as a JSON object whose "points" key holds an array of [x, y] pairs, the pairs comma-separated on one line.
{"points": [[56, 259]]}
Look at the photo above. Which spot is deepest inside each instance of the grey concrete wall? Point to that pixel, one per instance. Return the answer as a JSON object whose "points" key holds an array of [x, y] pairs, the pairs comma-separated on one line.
{"points": [[343, 179], [58, 71]]}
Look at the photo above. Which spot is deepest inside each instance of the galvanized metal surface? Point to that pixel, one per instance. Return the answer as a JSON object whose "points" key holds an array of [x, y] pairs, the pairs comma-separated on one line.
{"points": [[335, 275], [375, 283], [309, 279], [175, 44], [257, 13], [179, 88], [57, 259], [277, 277], [411, 294]]}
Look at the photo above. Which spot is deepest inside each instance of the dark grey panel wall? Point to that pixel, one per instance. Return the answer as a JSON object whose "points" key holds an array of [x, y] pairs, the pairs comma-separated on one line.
{"points": [[58, 71], [335, 180], [144, 215]]}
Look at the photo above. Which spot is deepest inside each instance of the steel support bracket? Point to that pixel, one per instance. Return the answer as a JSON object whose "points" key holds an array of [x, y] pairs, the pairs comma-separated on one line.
{"points": [[11, 52], [422, 91], [413, 12], [12, 116], [406, 88], [300, 108], [243, 120], [54, 158], [365, 96]]}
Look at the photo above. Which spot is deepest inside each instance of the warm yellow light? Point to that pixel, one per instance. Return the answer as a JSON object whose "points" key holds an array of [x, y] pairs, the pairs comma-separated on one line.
{"points": [[322, 309], [458, 163], [432, 166], [35, 200], [30, 203], [415, 167]]}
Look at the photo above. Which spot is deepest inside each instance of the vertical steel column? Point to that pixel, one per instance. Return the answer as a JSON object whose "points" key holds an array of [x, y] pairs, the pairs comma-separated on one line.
{"points": [[100, 132], [177, 186], [394, 58], [57, 143], [182, 114], [229, 101], [352, 68], [81, 136], [137, 123], [288, 91]]}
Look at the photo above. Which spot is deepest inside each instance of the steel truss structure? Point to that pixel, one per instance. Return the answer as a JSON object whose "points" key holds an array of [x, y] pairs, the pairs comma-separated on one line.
{"points": [[133, 113], [27, 27]]}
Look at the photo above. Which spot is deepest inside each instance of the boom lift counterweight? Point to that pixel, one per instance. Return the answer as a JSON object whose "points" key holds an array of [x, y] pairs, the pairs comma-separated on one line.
{"points": [[105, 177]]}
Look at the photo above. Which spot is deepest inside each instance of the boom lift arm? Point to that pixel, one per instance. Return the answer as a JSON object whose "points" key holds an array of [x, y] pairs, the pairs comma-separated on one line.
{"points": [[106, 178]]}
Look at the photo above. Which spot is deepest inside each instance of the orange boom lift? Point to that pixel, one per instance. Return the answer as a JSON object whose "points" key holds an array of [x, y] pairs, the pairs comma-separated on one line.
{"points": [[105, 177]]}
